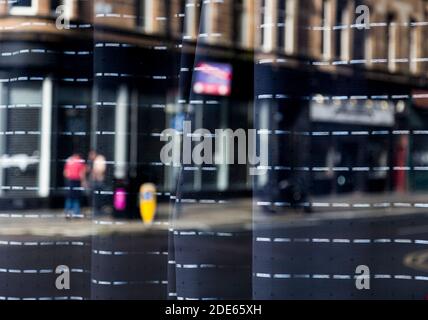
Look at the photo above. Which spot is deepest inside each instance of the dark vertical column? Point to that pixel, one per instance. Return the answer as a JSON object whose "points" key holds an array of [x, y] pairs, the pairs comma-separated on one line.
{"points": [[212, 263]]}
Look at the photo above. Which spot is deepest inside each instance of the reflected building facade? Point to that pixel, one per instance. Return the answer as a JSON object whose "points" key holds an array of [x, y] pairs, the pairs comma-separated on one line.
{"points": [[132, 63], [341, 105]]}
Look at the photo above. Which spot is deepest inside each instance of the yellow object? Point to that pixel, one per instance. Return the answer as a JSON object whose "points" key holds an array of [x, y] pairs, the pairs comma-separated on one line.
{"points": [[148, 202]]}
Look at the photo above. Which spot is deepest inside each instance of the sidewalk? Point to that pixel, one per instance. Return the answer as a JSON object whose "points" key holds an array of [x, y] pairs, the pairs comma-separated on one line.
{"points": [[358, 201], [374, 204], [244, 212], [239, 214]]}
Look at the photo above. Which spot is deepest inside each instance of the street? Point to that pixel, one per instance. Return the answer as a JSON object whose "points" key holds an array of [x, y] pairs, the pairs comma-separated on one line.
{"points": [[207, 253]]}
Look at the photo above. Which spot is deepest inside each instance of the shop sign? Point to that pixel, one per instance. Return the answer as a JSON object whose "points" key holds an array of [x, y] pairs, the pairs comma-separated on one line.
{"points": [[213, 79], [365, 112]]}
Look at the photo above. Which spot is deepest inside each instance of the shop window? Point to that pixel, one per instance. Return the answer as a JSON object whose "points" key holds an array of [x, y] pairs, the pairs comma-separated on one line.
{"points": [[25, 102]]}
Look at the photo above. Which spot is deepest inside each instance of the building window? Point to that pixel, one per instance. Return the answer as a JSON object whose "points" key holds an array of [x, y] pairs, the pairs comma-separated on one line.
{"points": [[244, 13], [68, 7], [391, 42], [262, 21], [163, 18], [266, 24], [359, 45], [191, 19], [55, 4], [362, 45], [241, 23], [206, 19], [282, 16], [181, 16], [239, 14], [413, 37], [326, 24], [23, 7], [342, 30], [290, 26], [104, 8], [286, 25], [145, 15]]}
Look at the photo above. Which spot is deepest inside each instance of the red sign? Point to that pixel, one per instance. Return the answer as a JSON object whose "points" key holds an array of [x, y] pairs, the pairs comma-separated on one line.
{"points": [[213, 79]]}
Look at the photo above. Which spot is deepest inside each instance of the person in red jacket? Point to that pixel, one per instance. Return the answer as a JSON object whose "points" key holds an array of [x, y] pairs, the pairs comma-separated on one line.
{"points": [[74, 173]]}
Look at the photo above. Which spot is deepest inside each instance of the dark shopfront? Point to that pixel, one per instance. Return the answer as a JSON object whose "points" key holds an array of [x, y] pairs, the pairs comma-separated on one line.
{"points": [[161, 95], [331, 134], [351, 145], [359, 135], [43, 120], [417, 142]]}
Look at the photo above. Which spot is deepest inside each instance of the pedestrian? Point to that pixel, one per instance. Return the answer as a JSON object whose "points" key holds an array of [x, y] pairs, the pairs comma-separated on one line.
{"points": [[74, 173], [97, 173]]}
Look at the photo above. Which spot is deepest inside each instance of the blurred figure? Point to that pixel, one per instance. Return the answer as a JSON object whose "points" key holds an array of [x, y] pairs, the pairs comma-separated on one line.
{"points": [[97, 172], [74, 173], [401, 161]]}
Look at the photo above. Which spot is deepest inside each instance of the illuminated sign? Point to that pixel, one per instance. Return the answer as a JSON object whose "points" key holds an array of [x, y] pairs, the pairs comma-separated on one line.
{"points": [[375, 113], [213, 79]]}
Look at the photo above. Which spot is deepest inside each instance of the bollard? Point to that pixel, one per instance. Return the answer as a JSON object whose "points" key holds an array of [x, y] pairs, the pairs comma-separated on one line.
{"points": [[148, 202]]}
